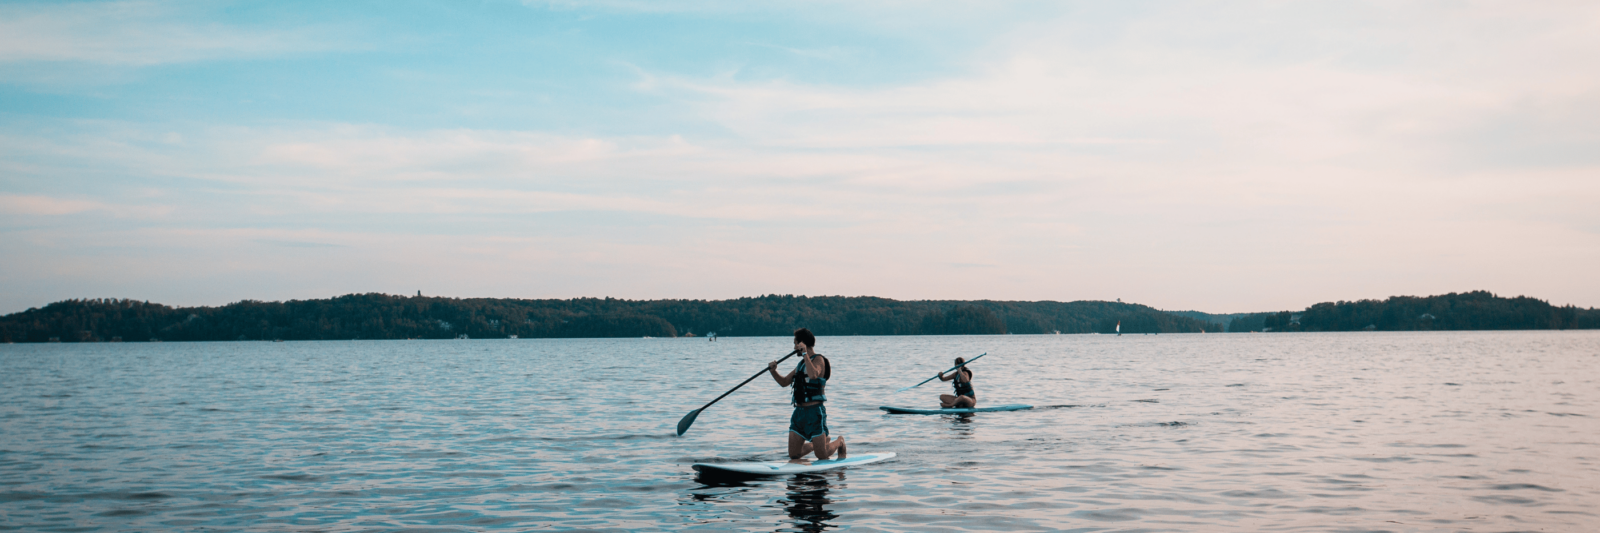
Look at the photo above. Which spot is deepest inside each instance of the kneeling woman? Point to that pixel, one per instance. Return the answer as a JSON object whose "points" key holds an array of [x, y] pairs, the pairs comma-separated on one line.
{"points": [[964, 396], [808, 426]]}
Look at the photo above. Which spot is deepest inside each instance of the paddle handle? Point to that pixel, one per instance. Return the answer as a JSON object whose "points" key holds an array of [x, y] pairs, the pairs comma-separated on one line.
{"points": [[942, 373], [746, 382]]}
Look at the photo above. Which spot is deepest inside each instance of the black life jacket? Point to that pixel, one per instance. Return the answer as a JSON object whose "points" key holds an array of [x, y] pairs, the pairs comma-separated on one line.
{"points": [[963, 388], [809, 389]]}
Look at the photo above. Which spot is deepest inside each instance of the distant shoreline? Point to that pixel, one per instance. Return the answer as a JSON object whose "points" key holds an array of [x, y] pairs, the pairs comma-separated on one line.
{"points": [[381, 316], [389, 317]]}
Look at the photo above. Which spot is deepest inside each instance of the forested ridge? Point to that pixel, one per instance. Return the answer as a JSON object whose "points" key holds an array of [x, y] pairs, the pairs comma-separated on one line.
{"points": [[1476, 310], [382, 316]]}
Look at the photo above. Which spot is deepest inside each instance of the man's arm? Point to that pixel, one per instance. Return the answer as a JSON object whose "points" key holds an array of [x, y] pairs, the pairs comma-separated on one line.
{"points": [[813, 363], [783, 379]]}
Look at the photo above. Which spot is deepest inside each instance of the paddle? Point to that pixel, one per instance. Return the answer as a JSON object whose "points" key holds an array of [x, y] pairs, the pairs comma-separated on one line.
{"points": [[942, 373], [688, 419]]}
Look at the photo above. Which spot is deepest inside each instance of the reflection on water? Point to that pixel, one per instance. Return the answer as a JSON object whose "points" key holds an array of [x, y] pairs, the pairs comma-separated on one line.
{"points": [[962, 425], [807, 500]]}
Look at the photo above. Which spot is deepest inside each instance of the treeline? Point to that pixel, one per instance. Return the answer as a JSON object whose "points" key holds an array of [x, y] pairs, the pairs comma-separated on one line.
{"points": [[1215, 318], [381, 316], [1477, 310]]}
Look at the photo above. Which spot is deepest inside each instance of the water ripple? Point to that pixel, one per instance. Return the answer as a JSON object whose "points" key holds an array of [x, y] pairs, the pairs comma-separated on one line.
{"points": [[1292, 432]]}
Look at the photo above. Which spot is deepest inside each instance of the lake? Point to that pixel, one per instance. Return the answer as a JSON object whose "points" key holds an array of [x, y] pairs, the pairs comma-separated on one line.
{"points": [[1439, 431]]}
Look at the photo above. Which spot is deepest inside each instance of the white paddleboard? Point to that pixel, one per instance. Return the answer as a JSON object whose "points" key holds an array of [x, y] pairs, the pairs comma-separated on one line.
{"points": [[780, 468], [953, 411]]}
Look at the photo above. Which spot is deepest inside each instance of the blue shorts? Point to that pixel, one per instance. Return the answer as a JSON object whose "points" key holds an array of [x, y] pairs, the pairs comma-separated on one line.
{"points": [[809, 422]]}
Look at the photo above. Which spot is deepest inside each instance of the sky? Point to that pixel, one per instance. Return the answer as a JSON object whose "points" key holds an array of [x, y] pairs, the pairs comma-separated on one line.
{"points": [[1218, 156]]}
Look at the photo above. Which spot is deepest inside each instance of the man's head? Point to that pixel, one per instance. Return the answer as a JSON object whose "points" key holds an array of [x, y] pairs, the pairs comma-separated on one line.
{"points": [[804, 335], [960, 360]]}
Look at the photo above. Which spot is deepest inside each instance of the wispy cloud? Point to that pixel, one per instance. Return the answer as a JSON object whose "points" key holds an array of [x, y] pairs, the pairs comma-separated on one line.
{"points": [[36, 205], [139, 33], [44, 205], [299, 244], [828, 52], [1249, 156]]}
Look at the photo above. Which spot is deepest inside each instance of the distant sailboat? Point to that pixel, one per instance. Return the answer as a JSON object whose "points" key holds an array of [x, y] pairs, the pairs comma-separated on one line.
{"points": [[1119, 328]]}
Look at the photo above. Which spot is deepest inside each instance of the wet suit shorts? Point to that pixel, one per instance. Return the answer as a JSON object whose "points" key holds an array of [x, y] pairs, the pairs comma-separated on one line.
{"points": [[809, 422]]}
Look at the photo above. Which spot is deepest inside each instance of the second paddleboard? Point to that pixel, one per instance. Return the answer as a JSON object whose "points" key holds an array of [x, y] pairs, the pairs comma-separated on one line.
{"points": [[953, 411]]}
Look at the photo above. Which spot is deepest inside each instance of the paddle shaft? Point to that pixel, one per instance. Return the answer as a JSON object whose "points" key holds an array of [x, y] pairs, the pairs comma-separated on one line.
{"points": [[746, 382], [942, 373]]}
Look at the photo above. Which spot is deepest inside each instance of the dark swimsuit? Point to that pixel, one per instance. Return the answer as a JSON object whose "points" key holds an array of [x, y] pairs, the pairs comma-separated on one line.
{"points": [[964, 388], [811, 421]]}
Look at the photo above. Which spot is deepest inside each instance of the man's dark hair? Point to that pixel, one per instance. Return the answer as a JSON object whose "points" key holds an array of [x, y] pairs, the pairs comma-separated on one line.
{"points": [[804, 335]]}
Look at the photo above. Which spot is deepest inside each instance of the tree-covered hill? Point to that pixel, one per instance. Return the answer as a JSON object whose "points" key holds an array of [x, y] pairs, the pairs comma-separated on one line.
{"points": [[381, 316], [1220, 319], [1477, 310]]}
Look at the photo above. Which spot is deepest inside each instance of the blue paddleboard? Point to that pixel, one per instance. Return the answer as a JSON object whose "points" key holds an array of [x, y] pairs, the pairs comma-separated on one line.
{"points": [[953, 411], [780, 468]]}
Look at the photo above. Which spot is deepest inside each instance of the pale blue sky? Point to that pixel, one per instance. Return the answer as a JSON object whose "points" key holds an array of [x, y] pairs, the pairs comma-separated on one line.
{"points": [[1188, 155]]}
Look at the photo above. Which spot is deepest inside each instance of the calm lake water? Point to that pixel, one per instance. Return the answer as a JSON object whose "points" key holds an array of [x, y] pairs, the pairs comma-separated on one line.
{"points": [[1477, 431]]}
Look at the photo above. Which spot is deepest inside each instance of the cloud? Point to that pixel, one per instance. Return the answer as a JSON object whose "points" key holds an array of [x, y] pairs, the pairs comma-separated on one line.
{"points": [[825, 53], [1252, 156], [44, 205], [299, 244], [137, 33], [34, 205]]}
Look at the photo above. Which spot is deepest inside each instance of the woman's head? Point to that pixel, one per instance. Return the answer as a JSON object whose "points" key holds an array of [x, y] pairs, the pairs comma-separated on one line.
{"points": [[804, 335]]}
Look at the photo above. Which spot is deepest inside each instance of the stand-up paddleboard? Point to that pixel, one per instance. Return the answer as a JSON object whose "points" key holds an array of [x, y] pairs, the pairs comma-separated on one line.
{"points": [[953, 411], [780, 468]]}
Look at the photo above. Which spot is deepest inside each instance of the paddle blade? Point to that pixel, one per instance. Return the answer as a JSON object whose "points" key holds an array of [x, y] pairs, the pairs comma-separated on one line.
{"points": [[688, 420]]}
